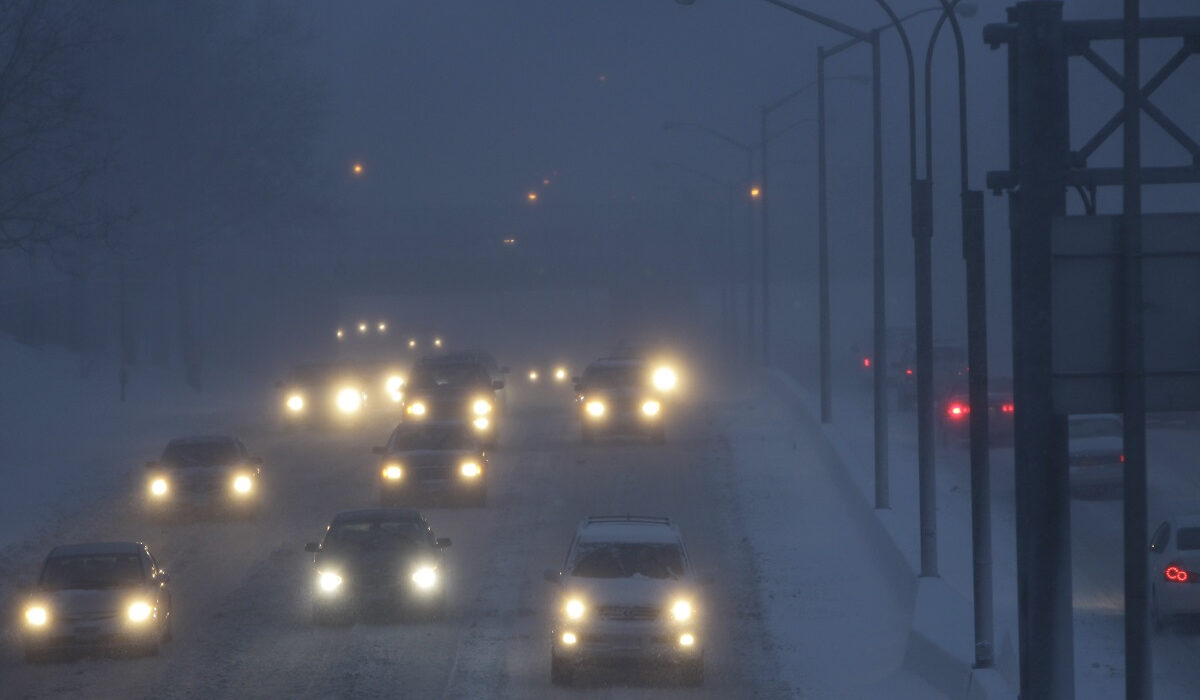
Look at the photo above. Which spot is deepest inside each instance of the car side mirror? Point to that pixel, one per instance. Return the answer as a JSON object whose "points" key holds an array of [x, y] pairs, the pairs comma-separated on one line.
{"points": [[377, 450], [442, 542], [312, 547], [498, 384], [552, 576]]}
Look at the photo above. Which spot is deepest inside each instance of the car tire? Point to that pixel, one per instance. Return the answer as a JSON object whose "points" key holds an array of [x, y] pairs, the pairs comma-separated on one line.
{"points": [[691, 673], [561, 671]]}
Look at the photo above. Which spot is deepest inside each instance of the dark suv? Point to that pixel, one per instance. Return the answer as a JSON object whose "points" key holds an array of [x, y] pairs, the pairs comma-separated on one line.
{"points": [[455, 388], [430, 461], [616, 396]]}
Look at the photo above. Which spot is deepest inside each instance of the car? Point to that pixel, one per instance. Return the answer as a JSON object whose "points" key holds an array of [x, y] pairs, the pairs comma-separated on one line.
{"points": [[110, 595], [328, 393], [438, 460], [204, 472], [1096, 453], [379, 559], [455, 388], [955, 412], [621, 396], [1175, 569], [896, 339], [627, 592], [949, 375]]}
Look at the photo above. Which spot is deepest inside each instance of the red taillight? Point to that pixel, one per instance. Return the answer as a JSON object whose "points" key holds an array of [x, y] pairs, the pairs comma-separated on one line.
{"points": [[1176, 573], [957, 410], [1122, 458], [1006, 408], [866, 362], [908, 371]]}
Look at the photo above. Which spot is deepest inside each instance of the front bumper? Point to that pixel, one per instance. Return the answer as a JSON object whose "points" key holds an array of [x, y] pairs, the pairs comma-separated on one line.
{"points": [[109, 631], [600, 642], [1173, 598], [448, 488]]}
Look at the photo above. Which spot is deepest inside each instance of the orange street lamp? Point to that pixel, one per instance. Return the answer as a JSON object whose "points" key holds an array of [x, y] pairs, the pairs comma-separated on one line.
{"points": [[532, 196], [755, 192], [357, 168]]}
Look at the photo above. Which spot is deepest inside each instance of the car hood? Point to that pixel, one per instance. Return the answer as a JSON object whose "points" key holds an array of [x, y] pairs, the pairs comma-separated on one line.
{"points": [[350, 562], [74, 602], [635, 590], [1092, 445], [417, 458], [617, 394]]}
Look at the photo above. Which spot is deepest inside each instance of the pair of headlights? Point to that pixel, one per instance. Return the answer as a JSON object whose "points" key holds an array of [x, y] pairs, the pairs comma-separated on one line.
{"points": [[39, 615], [424, 578], [242, 484], [395, 472], [681, 610], [597, 409]]}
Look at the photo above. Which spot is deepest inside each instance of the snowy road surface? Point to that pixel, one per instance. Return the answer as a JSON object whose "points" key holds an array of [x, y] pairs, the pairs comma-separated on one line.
{"points": [[785, 621]]}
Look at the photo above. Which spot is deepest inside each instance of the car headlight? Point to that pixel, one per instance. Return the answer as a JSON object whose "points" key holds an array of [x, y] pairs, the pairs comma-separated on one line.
{"points": [[533, 375], [393, 472], [664, 379], [393, 383], [329, 581], [595, 408], [574, 609], [159, 487], [682, 611], [295, 403], [416, 408], [470, 470], [560, 375], [425, 577], [687, 639], [242, 483], [481, 423], [139, 611], [481, 407], [349, 400], [36, 616], [651, 408]]}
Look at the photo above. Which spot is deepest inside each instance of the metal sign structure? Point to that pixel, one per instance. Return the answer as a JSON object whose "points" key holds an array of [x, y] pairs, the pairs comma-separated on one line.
{"points": [[1087, 294], [1086, 308]]}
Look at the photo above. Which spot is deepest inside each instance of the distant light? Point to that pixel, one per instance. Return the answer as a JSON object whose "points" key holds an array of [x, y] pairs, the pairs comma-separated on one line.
{"points": [[510, 241], [545, 181], [755, 192], [412, 343], [532, 196], [341, 334], [602, 78], [866, 362], [362, 327], [382, 327], [357, 168], [437, 342]]}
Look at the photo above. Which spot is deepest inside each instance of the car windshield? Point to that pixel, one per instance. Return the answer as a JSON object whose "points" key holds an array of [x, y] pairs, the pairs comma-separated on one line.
{"points": [[1095, 427], [614, 376], [91, 571], [434, 439], [627, 559], [200, 454], [375, 535], [448, 375]]}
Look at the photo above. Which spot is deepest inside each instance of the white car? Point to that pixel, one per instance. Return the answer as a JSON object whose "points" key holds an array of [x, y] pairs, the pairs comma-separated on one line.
{"points": [[1175, 569], [628, 593], [1096, 452]]}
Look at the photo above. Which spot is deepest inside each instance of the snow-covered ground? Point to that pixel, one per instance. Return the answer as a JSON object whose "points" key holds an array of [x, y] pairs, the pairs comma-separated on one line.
{"points": [[801, 606], [1096, 547]]}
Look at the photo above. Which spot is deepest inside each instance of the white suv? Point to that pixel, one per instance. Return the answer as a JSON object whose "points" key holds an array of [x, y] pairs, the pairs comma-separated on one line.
{"points": [[1175, 569], [628, 592]]}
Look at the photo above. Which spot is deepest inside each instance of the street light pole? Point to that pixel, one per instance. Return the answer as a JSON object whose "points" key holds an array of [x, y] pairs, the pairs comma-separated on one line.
{"points": [[765, 245]]}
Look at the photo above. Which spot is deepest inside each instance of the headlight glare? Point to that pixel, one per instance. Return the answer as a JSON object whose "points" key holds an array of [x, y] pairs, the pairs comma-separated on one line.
{"points": [[329, 581], [36, 615], [159, 487], [595, 408], [425, 577], [139, 611], [481, 423], [393, 472], [295, 403], [481, 407], [243, 483], [682, 611], [664, 379], [651, 408], [349, 400], [470, 470], [416, 408], [574, 609], [393, 383]]}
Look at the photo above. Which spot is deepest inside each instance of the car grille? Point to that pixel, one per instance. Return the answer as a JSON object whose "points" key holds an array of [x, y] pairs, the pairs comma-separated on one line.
{"points": [[627, 613], [92, 616], [202, 483], [433, 472]]}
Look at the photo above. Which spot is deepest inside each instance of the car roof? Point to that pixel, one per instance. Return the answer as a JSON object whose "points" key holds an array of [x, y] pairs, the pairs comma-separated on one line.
{"points": [[95, 548], [377, 515], [202, 439], [1187, 520], [628, 528]]}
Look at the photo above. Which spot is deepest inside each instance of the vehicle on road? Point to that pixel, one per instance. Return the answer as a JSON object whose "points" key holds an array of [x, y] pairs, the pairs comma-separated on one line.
{"points": [[434, 461], [204, 472], [955, 413], [1175, 569], [896, 339], [627, 593], [622, 396], [949, 375], [325, 393], [377, 561], [457, 387], [1096, 453], [99, 595]]}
